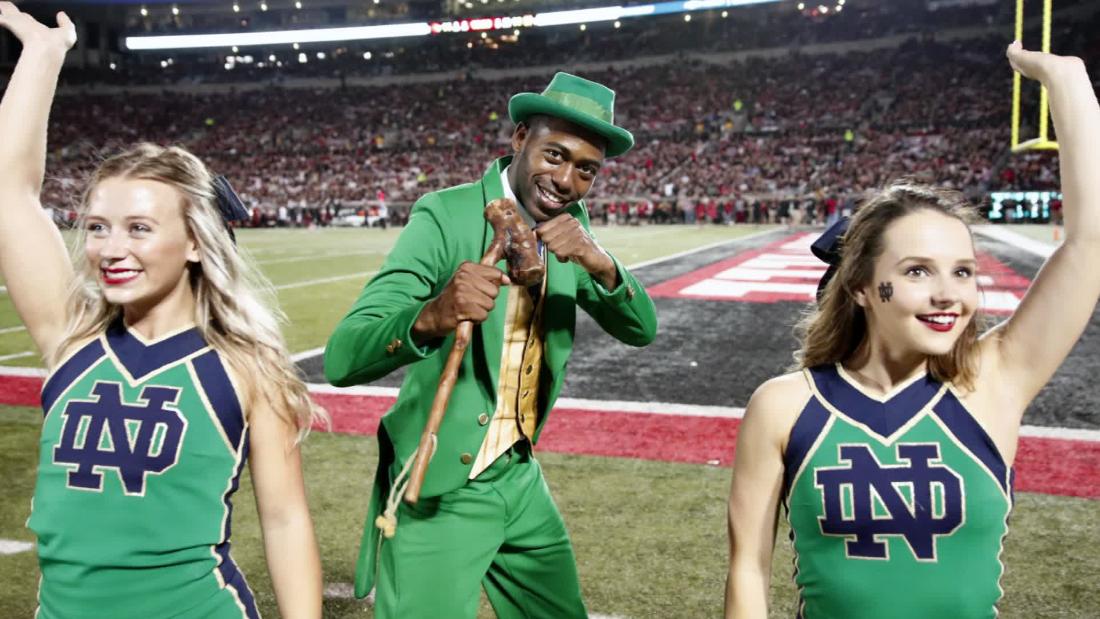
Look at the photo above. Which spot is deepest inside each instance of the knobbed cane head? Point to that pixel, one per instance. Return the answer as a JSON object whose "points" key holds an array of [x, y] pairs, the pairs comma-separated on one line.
{"points": [[516, 241]]}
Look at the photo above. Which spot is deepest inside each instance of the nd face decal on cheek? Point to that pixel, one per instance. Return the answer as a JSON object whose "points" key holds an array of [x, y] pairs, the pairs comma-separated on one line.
{"points": [[885, 291]]}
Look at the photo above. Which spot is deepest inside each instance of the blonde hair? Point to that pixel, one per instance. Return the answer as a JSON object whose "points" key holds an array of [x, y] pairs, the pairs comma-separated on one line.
{"points": [[836, 328], [235, 307]]}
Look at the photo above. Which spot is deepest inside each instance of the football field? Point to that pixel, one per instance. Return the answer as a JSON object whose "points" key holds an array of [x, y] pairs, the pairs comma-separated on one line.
{"points": [[638, 451]]}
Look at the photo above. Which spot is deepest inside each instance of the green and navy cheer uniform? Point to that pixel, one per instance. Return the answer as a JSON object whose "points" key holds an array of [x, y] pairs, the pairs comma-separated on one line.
{"points": [[898, 505], [142, 448]]}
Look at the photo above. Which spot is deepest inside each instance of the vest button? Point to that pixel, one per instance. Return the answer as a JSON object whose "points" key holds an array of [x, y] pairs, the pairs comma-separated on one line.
{"points": [[466, 458], [482, 419]]}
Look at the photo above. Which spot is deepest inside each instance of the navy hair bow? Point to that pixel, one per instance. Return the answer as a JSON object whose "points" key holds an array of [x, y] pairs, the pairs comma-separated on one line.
{"points": [[827, 250], [229, 204]]}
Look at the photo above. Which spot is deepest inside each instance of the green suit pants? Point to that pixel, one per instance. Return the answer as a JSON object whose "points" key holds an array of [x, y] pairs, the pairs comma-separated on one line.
{"points": [[500, 530]]}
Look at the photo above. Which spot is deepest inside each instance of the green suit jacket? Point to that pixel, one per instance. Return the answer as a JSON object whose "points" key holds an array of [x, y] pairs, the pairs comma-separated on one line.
{"points": [[446, 228]]}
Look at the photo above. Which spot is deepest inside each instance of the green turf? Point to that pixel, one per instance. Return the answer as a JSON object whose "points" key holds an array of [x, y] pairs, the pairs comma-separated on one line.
{"points": [[650, 536]]}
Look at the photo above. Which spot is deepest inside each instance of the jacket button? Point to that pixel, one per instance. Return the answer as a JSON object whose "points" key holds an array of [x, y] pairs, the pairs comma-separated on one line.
{"points": [[482, 419], [466, 458]]}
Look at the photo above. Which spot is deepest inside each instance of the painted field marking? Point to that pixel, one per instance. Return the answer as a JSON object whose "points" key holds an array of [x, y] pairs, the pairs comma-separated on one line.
{"points": [[12, 329], [14, 547], [324, 280], [18, 355], [1015, 239], [344, 591], [786, 271], [605, 406], [306, 354]]}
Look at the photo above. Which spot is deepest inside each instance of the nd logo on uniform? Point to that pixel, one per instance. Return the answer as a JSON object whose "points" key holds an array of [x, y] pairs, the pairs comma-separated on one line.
{"points": [[133, 439], [917, 500]]}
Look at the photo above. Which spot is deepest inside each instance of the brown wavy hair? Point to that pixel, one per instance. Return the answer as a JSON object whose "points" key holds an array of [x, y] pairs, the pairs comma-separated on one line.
{"points": [[836, 328], [236, 310]]}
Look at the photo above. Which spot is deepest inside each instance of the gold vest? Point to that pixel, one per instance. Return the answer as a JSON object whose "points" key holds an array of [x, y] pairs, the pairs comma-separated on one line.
{"points": [[520, 363]]}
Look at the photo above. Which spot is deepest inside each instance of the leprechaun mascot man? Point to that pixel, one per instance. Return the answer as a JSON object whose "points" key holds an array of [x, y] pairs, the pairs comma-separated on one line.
{"points": [[485, 515]]}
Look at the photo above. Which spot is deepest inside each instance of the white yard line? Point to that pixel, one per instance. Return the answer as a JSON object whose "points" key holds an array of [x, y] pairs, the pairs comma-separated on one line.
{"points": [[12, 329], [12, 370], [324, 280], [1015, 239], [595, 406], [18, 355], [13, 547], [1068, 434], [306, 354]]}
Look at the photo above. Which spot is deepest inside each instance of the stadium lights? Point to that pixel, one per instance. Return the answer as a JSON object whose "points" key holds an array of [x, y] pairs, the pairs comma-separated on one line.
{"points": [[277, 37], [388, 31], [580, 16]]}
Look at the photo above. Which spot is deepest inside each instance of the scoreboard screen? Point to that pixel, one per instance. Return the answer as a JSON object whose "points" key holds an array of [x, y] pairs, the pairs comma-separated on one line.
{"points": [[1022, 206]]}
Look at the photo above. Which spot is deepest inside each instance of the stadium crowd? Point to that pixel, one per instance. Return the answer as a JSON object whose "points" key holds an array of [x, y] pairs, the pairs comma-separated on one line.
{"points": [[789, 137]]}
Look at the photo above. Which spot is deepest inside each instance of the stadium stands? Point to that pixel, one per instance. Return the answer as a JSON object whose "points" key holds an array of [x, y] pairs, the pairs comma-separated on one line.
{"points": [[760, 137]]}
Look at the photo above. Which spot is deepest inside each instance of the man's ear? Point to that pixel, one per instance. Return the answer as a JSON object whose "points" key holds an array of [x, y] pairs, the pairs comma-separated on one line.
{"points": [[519, 136]]}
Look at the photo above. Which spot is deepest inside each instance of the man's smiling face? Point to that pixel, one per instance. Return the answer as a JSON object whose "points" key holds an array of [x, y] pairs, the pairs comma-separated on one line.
{"points": [[556, 162]]}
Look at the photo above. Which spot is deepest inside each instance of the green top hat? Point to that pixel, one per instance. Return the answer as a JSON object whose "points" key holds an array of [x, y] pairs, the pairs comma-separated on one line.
{"points": [[581, 102]]}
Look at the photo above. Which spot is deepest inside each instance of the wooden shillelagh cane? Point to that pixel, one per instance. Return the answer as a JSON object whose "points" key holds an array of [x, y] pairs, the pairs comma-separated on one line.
{"points": [[514, 240]]}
